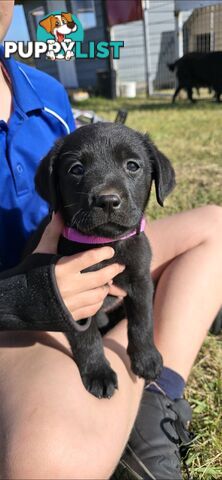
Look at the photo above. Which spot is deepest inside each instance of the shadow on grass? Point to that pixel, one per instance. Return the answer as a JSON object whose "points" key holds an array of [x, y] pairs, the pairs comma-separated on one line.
{"points": [[152, 104], [168, 106]]}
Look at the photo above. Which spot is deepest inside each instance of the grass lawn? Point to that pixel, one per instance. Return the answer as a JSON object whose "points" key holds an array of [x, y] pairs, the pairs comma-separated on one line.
{"points": [[190, 135]]}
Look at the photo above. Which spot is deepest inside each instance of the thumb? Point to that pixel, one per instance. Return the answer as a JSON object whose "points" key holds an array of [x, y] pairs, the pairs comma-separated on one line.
{"points": [[50, 237]]}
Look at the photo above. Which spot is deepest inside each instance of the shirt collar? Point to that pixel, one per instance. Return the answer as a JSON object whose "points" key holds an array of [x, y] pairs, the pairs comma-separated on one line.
{"points": [[23, 90]]}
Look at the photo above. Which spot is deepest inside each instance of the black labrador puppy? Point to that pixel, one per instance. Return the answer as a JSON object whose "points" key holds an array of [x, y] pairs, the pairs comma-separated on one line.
{"points": [[99, 177]]}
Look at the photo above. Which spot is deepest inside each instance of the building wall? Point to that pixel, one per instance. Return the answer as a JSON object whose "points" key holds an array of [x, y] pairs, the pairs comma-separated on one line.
{"points": [[87, 68], [161, 28], [162, 42], [218, 27], [207, 20], [130, 66]]}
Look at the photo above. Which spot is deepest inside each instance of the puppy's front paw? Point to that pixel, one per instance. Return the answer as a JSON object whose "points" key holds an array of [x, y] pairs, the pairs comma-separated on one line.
{"points": [[146, 364], [101, 382], [69, 55]]}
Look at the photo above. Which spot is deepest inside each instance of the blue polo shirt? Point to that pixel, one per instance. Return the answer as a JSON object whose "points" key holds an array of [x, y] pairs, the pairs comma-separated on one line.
{"points": [[41, 114]]}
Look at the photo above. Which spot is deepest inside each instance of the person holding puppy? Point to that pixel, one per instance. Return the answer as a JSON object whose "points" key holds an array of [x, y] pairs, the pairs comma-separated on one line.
{"points": [[51, 427]]}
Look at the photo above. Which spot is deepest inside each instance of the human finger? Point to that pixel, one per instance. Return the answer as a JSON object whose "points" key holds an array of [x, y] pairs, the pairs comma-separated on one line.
{"points": [[80, 261], [117, 291], [51, 234], [87, 312], [100, 277], [85, 299]]}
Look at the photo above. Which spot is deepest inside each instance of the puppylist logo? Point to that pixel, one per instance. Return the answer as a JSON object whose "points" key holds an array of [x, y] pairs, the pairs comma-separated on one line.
{"points": [[60, 36]]}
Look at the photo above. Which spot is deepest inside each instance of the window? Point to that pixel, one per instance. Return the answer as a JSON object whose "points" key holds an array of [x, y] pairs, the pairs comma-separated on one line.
{"points": [[203, 42], [85, 11]]}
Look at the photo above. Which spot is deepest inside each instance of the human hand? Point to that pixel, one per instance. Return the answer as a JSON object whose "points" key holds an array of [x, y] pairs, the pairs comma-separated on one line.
{"points": [[82, 293], [117, 291], [50, 238]]}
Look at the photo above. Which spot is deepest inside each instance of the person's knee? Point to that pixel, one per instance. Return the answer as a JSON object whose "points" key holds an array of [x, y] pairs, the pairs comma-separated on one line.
{"points": [[214, 213]]}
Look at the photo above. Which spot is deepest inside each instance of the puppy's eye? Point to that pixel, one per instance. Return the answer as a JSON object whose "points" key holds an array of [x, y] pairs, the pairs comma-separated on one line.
{"points": [[132, 166], [77, 169]]}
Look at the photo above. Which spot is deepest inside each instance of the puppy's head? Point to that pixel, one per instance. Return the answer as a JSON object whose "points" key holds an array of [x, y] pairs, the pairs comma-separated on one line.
{"points": [[62, 24], [67, 20], [100, 178]]}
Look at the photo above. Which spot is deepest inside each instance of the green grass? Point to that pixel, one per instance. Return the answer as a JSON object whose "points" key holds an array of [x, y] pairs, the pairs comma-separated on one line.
{"points": [[205, 394], [190, 135]]}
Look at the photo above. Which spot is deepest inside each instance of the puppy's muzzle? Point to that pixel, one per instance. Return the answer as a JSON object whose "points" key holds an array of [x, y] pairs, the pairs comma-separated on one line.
{"points": [[107, 202]]}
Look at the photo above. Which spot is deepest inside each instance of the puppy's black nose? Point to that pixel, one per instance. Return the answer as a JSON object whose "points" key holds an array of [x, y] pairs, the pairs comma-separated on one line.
{"points": [[107, 201]]}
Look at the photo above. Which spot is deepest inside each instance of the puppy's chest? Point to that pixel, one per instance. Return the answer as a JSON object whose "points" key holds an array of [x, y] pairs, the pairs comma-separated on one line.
{"points": [[134, 253]]}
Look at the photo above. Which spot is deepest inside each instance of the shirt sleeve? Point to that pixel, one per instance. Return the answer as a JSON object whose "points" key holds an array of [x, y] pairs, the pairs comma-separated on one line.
{"points": [[30, 298]]}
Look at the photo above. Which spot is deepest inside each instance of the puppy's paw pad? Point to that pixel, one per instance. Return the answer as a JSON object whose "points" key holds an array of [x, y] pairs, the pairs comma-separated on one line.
{"points": [[147, 365], [101, 383]]}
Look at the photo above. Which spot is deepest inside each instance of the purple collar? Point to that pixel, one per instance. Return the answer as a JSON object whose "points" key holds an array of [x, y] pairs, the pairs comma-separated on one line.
{"points": [[75, 236]]}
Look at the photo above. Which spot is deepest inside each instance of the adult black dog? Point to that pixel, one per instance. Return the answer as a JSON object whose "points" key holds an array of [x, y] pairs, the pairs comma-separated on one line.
{"points": [[198, 69], [99, 178]]}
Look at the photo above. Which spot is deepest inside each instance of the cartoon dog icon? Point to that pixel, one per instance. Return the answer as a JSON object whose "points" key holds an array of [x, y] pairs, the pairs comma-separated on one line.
{"points": [[59, 26]]}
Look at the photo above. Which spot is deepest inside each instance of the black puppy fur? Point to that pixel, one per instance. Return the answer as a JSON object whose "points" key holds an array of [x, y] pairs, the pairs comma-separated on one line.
{"points": [[99, 177]]}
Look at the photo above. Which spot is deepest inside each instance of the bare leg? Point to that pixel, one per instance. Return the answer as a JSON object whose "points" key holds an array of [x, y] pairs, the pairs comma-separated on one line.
{"points": [[51, 427], [187, 262]]}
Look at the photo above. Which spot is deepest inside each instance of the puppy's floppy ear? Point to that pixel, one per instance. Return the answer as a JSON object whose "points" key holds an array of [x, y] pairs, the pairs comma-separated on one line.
{"points": [[45, 177], [67, 16], [46, 23], [163, 173]]}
